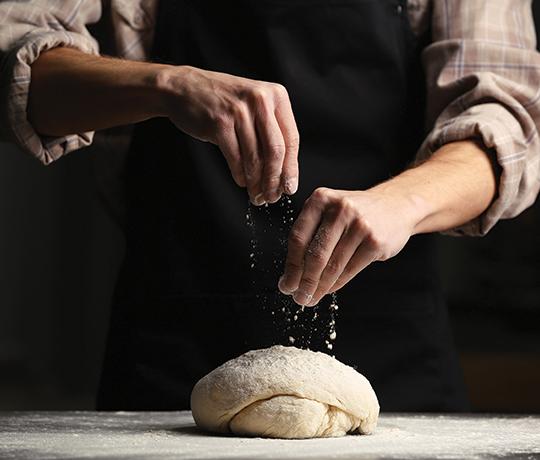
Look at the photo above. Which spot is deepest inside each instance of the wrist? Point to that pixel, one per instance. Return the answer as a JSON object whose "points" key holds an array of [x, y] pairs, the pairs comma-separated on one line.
{"points": [[154, 90], [169, 86], [455, 185], [412, 205]]}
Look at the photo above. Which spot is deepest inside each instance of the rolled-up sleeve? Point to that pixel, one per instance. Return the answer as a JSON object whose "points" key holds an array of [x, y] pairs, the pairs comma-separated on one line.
{"points": [[483, 81], [26, 30]]}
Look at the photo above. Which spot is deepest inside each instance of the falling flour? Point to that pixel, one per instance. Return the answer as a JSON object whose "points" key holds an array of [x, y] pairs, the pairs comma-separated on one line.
{"points": [[301, 326]]}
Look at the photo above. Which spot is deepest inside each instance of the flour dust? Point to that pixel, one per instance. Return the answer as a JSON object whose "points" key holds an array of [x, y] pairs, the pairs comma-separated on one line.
{"points": [[304, 327]]}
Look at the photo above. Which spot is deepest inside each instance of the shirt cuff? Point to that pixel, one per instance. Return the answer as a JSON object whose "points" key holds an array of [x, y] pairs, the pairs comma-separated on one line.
{"points": [[504, 139], [16, 75]]}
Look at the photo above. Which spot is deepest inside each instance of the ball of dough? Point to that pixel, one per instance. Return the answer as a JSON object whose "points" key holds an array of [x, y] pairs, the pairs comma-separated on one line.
{"points": [[285, 392]]}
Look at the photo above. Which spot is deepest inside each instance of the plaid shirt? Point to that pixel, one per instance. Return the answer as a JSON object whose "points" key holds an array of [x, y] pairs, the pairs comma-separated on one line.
{"points": [[482, 78]]}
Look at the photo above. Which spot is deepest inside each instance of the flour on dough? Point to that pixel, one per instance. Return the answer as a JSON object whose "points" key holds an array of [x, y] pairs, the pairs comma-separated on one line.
{"points": [[285, 392]]}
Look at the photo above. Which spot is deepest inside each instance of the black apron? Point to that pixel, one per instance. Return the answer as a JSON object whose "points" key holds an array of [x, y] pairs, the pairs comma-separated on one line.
{"points": [[188, 298]]}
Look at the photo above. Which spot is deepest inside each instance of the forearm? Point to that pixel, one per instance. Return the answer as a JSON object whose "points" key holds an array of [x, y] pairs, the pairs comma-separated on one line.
{"points": [[455, 185], [73, 92]]}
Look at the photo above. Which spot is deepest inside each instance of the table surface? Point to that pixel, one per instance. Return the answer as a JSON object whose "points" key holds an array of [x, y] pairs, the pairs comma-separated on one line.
{"points": [[167, 435]]}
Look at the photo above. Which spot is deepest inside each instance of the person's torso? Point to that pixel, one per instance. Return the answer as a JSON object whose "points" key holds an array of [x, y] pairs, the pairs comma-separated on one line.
{"points": [[188, 297]]}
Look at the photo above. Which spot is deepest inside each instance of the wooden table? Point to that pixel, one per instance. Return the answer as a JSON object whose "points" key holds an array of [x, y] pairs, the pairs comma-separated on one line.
{"points": [[168, 435]]}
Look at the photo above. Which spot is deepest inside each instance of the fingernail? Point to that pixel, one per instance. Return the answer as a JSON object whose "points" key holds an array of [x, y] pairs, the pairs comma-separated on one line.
{"points": [[259, 200], [301, 298], [273, 196], [291, 185], [282, 288], [312, 303]]}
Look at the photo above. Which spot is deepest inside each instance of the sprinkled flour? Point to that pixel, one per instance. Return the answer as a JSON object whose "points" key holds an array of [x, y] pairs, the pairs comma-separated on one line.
{"points": [[305, 327], [168, 435]]}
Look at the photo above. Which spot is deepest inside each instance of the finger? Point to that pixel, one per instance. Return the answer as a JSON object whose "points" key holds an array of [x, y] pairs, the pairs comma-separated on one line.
{"points": [[287, 124], [273, 147], [364, 255], [250, 159], [343, 252], [228, 144], [301, 234], [317, 256]]}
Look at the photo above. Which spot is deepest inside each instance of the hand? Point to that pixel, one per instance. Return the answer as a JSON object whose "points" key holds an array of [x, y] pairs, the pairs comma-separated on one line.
{"points": [[338, 234], [251, 121]]}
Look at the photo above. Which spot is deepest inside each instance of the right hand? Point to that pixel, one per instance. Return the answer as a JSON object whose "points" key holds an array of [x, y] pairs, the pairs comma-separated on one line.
{"points": [[250, 121]]}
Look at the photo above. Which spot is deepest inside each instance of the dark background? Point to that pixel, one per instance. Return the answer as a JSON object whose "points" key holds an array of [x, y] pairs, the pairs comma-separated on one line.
{"points": [[60, 251]]}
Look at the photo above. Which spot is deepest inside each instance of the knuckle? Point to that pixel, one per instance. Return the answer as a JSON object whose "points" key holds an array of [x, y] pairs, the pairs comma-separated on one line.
{"points": [[251, 183], [375, 241], [279, 91], [291, 266], [272, 181], [279, 88], [376, 244], [372, 238], [250, 177], [333, 267], [276, 151], [342, 279], [251, 165], [320, 194], [222, 121], [259, 95], [308, 283], [345, 206], [239, 111], [294, 142], [359, 225], [296, 238], [316, 256], [251, 173]]}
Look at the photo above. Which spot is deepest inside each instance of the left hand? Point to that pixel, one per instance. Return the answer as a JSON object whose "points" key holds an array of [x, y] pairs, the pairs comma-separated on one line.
{"points": [[338, 234]]}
